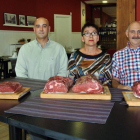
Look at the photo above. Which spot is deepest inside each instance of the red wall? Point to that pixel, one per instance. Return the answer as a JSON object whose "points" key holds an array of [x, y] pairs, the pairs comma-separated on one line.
{"points": [[48, 9], [96, 14], [16, 7], [105, 17], [138, 10], [42, 8], [88, 13]]}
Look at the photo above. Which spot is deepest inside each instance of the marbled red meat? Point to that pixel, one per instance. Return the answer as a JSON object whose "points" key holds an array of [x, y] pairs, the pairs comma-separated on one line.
{"points": [[88, 84], [136, 89], [10, 87], [58, 84]]}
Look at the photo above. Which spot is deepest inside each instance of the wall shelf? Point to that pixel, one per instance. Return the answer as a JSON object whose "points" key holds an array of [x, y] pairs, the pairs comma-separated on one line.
{"points": [[107, 37], [18, 26]]}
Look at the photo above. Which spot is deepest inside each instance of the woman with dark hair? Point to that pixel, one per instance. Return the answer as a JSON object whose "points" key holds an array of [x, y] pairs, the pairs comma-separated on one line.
{"points": [[90, 59]]}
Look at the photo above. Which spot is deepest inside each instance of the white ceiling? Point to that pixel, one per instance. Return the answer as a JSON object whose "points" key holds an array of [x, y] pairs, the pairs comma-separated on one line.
{"points": [[99, 1], [111, 11]]}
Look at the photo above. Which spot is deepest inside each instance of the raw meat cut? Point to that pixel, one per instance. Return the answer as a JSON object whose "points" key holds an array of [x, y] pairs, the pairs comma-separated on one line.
{"points": [[10, 87], [58, 84], [136, 89], [88, 84]]}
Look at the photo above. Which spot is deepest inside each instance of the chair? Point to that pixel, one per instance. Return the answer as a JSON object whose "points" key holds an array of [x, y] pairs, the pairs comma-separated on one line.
{"points": [[17, 50], [1, 68], [12, 72], [111, 52]]}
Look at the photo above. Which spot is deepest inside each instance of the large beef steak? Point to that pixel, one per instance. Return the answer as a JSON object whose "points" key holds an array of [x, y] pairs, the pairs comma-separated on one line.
{"points": [[87, 84], [136, 89], [10, 87], [58, 84]]}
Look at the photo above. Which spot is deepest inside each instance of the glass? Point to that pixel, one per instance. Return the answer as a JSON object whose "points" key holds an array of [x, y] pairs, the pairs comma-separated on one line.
{"points": [[88, 34]]}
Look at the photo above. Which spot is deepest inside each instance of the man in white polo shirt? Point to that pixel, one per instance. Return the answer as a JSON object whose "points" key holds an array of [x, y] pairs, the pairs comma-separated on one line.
{"points": [[41, 58]]}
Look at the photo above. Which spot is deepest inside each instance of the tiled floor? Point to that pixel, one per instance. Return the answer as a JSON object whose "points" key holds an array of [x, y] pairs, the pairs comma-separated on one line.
{"points": [[4, 132]]}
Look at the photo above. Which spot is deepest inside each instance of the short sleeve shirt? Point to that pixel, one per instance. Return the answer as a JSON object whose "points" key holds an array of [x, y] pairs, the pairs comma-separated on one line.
{"points": [[126, 65]]}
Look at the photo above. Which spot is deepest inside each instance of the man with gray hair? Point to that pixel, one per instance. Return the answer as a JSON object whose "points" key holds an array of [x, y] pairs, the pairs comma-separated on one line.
{"points": [[126, 62], [41, 58]]}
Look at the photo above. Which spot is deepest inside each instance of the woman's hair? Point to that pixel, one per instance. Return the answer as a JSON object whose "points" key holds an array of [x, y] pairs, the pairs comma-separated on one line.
{"points": [[89, 25]]}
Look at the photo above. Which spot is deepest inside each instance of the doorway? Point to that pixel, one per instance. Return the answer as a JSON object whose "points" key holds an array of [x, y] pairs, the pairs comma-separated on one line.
{"points": [[126, 13], [105, 17], [62, 28]]}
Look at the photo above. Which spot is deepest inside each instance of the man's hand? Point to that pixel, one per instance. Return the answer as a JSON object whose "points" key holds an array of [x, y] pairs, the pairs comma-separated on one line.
{"points": [[124, 87], [116, 84]]}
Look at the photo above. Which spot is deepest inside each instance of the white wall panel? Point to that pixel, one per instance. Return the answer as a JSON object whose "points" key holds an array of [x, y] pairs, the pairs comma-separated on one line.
{"points": [[76, 40], [8, 37]]}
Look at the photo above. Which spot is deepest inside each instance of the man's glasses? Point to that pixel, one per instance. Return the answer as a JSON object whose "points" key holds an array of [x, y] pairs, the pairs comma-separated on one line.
{"points": [[88, 34]]}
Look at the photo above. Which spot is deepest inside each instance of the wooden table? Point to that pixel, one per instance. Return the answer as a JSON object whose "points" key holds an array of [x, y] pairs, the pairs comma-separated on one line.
{"points": [[7, 104], [122, 124]]}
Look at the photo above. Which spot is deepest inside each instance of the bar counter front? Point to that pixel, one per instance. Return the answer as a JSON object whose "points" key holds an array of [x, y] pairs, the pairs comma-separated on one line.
{"points": [[123, 122]]}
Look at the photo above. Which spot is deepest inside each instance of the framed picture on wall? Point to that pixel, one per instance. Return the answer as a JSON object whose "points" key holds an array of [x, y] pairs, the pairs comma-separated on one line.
{"points": [[21, 19], [31, 20], [10, 19]]}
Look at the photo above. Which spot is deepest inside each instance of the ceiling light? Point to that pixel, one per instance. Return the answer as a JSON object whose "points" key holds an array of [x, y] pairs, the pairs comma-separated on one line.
{"points": [[104, 1]]}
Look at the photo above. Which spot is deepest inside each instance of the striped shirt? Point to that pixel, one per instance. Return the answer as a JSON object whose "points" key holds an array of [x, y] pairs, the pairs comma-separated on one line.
{"points": [[97, 65], [126, 65]]}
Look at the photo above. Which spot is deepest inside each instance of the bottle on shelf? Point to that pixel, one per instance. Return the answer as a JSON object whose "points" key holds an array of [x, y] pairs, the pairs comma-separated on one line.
{"points": [[107, 37], [106, 25], [111, 24], [114, 24], [115, 31], [110, 31]]}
